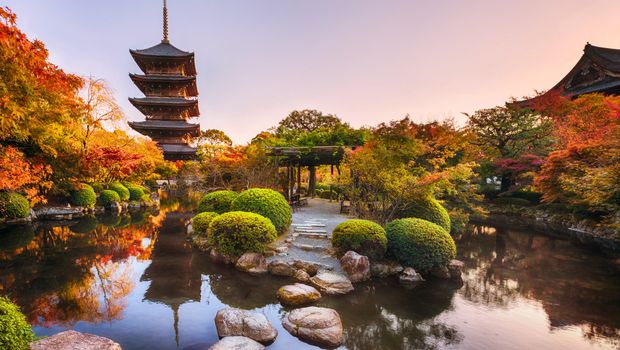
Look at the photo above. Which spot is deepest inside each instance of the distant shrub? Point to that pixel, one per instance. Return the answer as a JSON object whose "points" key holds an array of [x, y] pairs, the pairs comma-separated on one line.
{"points": [[531, 196], [236, 232], [458, 220], [218, 202], [152, 183], [267, 203], [512, 201], [428, 209], [107, 197], [420, 244], [200, 222], [13, 205], [135, 192], [97, 187], [15, 332], [362, 236], [123, 192], [83, 195]]}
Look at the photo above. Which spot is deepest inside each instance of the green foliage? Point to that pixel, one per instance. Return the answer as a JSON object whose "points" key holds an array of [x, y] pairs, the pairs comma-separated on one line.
{"points": [[200, 222], [107, 197], [218, 202], [15, 332], [512, 201], [13, 205], [362, 236], [123, 192], [97, 187], [428, 209], [267, 203], [83, 196], [237, 232], [458, 220], [145, 189], [135, 192], [419, 243]]}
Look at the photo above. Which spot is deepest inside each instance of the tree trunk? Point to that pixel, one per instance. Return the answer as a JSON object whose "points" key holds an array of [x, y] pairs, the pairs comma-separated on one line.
{"points": [[311, 180]]}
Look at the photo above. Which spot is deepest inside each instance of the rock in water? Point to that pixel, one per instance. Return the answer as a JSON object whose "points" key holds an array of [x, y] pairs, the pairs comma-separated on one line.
{"points": [[329, 282], [356, 266], [236, 322], [219, 258], [310, 267], [297, 294], [253, 263], [302, 276], [74, 340], [237, 343], [281, 268], [316, 325], [383, 269], [410, 276]]}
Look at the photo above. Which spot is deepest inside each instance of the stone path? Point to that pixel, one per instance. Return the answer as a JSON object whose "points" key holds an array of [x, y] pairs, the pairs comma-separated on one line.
{"points": [[309, 237]]}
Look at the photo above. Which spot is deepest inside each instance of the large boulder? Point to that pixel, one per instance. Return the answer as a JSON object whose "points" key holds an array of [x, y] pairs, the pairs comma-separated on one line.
{"points": [[280, 267], [316, 325], [385, 269], [410, 276], [74, 340], [356, 266], [302, 276], [297, 294], [329, 282], [455, 267], [252, 262], [310, 267], [237, 343], [236, 322]]}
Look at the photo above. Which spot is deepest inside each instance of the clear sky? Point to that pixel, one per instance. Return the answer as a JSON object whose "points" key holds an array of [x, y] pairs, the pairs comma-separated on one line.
{"points": [[365, 61]]}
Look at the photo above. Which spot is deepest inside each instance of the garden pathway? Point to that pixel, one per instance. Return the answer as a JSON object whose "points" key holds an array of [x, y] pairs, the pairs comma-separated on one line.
{"points": [[309, 237]]}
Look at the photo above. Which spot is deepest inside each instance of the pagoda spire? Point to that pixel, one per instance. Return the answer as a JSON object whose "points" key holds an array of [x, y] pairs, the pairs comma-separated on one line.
{"points": [[165, 39]]}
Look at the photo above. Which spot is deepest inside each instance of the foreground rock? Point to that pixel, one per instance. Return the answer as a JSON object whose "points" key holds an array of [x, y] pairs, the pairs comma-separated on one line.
{"points": [[410, 276], [316, 325], [455, 267], [237, 343], [297, 294], [356, 266], [70, 340], [236, 322], [281, 268], [302, 276], [385, 269], [253, 263], [329, 282]]}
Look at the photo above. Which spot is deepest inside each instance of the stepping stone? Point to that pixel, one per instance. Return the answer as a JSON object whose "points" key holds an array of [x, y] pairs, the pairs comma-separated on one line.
{"points": [[315, 325], [309, 247], [331, 283], [310, 231], [236, 322], [314, 224], [297, 294], [313, 235]]}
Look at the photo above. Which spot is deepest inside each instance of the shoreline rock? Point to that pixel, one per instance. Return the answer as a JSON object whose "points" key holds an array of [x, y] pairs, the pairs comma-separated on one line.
{"points": [[237, 343], [297, 294], [329, 282], [315, 325], [237, 322], [356, 266], [74, 340], [254, 263]]}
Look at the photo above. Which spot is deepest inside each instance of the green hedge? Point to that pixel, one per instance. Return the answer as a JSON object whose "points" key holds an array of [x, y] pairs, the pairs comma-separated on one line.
{"points": [[13, 205], [267, 203], [362, 236], [200, 222], [512, 201], [97, 187], [122, 191], [428, 209], [419, 243], [107, 197], [15, 332], [83, 195], [218, 202], [237, 232], [135, 192]]}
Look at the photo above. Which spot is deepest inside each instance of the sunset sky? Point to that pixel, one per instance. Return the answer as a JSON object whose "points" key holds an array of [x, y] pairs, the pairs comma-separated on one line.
{"points": [[365, 61]]}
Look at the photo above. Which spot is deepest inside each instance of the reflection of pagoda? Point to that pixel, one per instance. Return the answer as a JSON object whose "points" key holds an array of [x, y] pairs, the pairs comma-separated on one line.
{"points": [[175, 278], [169, 84]]}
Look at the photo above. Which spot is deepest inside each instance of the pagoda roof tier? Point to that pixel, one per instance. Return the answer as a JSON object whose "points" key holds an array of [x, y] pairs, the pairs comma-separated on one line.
{"points": [[178, 151], [164, 53], [154, 82], [147, 105], [598, 70], [166, 127]]}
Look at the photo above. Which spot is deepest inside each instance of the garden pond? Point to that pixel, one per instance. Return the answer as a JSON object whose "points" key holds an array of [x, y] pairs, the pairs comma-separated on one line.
{"points": [[137, 280]]}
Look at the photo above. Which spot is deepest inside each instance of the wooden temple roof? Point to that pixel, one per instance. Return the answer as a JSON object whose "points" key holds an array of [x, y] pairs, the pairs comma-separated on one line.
{"points": [[164, 52], [145, 103], [167, 125], [157, 80], [177, 151]]}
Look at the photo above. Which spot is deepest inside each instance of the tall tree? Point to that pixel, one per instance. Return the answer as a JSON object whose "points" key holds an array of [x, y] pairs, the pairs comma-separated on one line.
{"points": [[100, 109]]}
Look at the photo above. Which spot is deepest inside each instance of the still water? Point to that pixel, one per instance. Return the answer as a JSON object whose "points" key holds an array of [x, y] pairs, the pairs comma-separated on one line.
{"points": [[135, 279]]}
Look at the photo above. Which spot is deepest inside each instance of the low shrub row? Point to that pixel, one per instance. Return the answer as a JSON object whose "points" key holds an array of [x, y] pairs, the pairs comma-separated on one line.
{"points": [[15, 332], [13, 205]]}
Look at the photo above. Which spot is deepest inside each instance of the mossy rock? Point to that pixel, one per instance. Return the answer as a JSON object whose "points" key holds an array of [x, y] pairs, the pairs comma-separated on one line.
{"points": [[237, 232], [13, 205], [217, 202], [267, 203], [121, 190], [201, 222], [15, 332], [362, 236], [420, 244], [428, 209]]}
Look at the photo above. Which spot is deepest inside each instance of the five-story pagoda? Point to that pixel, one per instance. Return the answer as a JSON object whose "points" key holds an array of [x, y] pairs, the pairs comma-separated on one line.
{"points": [[169, 86]]}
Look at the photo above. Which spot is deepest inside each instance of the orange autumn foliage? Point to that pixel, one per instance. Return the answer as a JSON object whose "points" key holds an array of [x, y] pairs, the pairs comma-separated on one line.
{"points": [[19, 175]]}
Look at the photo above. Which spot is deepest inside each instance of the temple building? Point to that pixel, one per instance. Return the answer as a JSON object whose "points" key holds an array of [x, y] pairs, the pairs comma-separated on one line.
{"points": [[169, 86], [598, 70]]}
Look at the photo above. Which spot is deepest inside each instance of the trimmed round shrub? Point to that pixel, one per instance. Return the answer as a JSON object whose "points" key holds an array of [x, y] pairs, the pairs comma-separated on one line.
{"points": [[122, 191], [15, 332], [237, 232], [419, 243], [97, 187], [83, 196], [135, 193], [217, 202], [107, 197], [200, 222], [512, 201], [362, 236], [267, 203], [13, 205], [428, 209]]}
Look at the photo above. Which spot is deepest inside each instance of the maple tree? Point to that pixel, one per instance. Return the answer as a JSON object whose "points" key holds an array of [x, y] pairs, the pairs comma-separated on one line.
{"points": [[19, 174]]}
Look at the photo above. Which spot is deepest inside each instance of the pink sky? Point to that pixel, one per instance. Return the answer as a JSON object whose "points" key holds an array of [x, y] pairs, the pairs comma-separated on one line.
{"points": [[365, 61]]}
